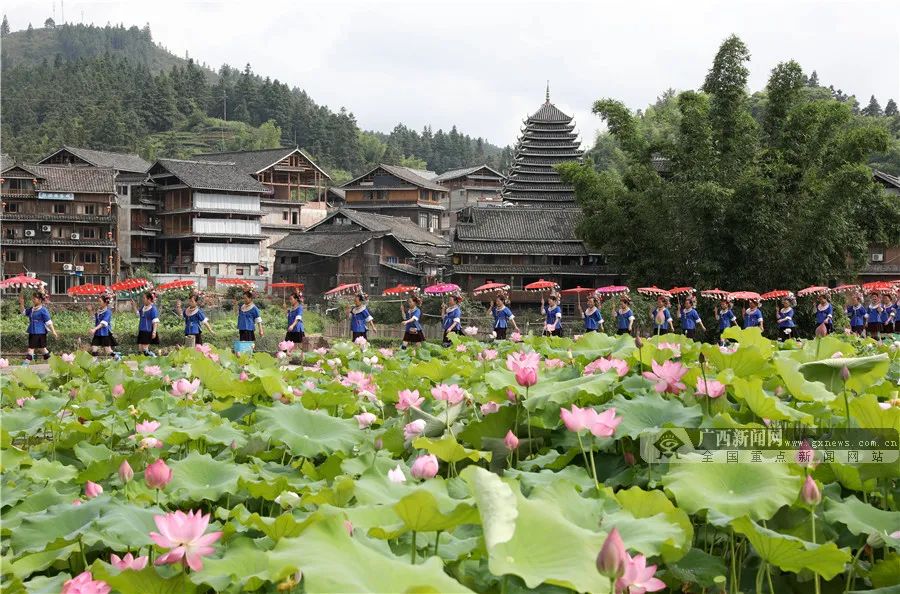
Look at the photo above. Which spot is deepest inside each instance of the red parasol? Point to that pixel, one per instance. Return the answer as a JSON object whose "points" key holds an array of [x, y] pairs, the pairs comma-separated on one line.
{"points": [[813, 290], [683, 291], [401, 290], [778, 294], [655, 291], [489, 288], [131, 286], [845, 289], [87, 290], [745, 295], [22, 281], [234, 281], [176, 284], [286, 285], [541, 285], [577, 291], [612, 290], [441, 289], [717, 293], [346, 289], [876, 286]]}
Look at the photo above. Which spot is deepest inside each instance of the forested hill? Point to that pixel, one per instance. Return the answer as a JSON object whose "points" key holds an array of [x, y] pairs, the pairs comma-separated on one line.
{"points": [[114, 88]]}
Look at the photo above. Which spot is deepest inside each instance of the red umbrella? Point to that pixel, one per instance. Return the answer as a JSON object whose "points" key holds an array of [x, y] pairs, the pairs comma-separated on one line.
{"points": [[577, 291], [87, 290], [346, 289], [715, 294], [878, 286], [813, 290], [683, 291], [401, 290], [21, 281], [778, 294], [131, 286], [175, 284], [612, 290], [441, 289], [541, 285], [286, 285], [745, 295], [656, 291], [845, 289], [234, 281], [489, 288]]}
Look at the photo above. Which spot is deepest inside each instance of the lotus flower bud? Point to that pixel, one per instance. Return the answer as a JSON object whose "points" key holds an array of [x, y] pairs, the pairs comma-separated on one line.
{"points": [[92, 490], [511, 441], [157, 475], [125, 471], [702, 359], [638, 342], [845, 373], [613, 557], [810, 492]]}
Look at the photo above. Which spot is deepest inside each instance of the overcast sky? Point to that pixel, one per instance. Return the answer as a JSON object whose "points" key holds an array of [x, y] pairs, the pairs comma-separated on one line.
{"points": [[484, 65]]}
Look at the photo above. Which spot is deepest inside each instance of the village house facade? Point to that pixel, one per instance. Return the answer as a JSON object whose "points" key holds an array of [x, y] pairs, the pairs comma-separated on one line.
{"points": [[401, 192], [210, 218], [59, 224], [884, 259], [466, 187], [137, 219], [351, 246]]}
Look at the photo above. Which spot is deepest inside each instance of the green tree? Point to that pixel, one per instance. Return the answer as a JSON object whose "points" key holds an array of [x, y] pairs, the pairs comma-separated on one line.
{"points": [[873, 109], [4, 27], [50, 23], [783, 92], [890, 109], [813, 80]]}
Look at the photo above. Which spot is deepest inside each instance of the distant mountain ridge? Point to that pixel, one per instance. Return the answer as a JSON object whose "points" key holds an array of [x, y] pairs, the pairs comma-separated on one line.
{"points": [[114, 88]]}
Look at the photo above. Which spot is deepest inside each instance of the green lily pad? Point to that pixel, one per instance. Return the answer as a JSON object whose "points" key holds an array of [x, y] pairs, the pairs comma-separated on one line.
{"points": [[306, 432], [861, 518], [197, 477], [653, 411]]}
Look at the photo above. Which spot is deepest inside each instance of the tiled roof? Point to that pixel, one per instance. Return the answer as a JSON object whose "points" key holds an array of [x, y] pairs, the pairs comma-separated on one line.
{"points": [[211, 175], [252, 162], [455, 173], [407, 268], [127, 162], [547, 271], [886, 178], [518, 224], [400, 227], [412, 176], [64, 178], [6, 161], [527, 248], [332, 244], [549, 113]]}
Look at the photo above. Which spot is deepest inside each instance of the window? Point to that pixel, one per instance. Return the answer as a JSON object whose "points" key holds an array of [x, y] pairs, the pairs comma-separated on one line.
{"points": [[423, 220], [373, 282], [284, 215], [392, 259], [295, 259], [62, 232], [19, 185], [122, 190], [11, 207], [283, 260], [60, 208], [206, 271], [89, 233], [61, 283], [11, 232], [87, 257], [295, 217], [12, 256], [89, 209], [62, 257], [239, 271], [435, 222]]}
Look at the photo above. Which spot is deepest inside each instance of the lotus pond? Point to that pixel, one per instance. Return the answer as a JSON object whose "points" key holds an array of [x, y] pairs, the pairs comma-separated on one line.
{"points": [[477, 468]]}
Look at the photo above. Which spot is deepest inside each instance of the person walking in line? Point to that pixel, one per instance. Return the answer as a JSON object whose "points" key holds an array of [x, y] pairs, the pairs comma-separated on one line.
{"points": [[552, 316], [503, 317], [858, 315], [824, 315], [452, 318], [413, 332], [725, 318], [249, 319], [874, 310], [690, 319], [101, 333], [662, 319], [360, 318], [148, 323], [38, 323], [295, 331], [753, 316], [787, 329], [194, 318], [624, 317], [593, 318]]}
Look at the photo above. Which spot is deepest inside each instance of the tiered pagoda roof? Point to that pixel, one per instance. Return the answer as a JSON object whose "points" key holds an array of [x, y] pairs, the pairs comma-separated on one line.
{"points": [[547, 139]]}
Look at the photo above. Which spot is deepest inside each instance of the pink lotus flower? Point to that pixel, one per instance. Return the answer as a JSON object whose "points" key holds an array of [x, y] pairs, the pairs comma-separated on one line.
{"points": [[147, 427], [360, 381], [126, 473], [361, 342], [470, 330], [489, 408], [203, 348], [309, 385], [128, 562], [727, 350], [92, 490], [672, 346], [511, 441], [810, 492], [487, 355], [84, 583], [182, 387], [409, 399], [424, 467], [20, 402], [516, 337], [603, 365], [667, 376], [600, 424], [365, 419], [183, 534], [157, 475], [386, 353], [243, 376], [321, 351], [370, 360], [395, 475], [550, 327], [152, 370], [461, 348], [149, 443], [286, 346], [613, 557], [638, 577], [520, 359], [77, 502], [605, 423], [526, 376], [711, 388], [414, 429], [118, 390], [511, 395], [4, 363], [451, 394], [554, 363], [68, 357]]}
